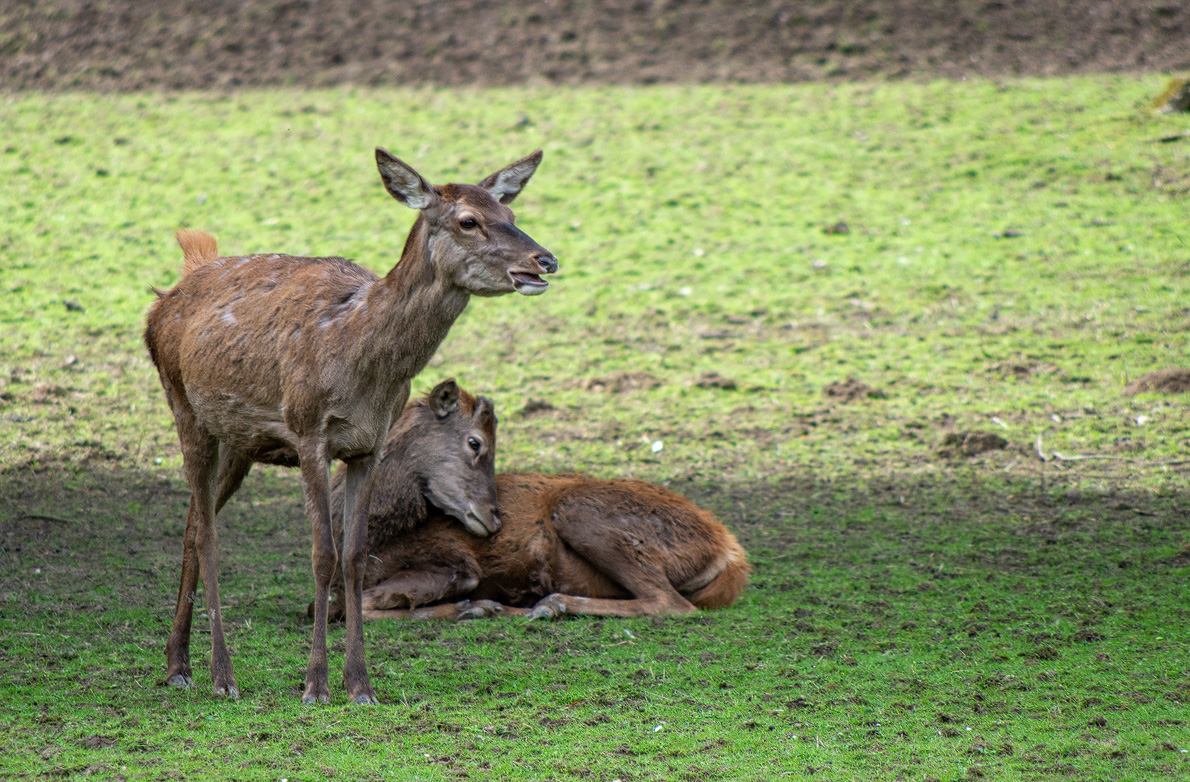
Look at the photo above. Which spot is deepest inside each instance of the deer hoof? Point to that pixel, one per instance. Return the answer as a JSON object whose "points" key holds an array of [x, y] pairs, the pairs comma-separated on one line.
{"points": [[479, 610], [549, 607], [316, 694], [180, 680], [365, 699], [231, 691]]}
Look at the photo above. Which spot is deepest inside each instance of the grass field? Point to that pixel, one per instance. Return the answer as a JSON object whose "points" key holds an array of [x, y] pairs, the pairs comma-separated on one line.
{"points": [[806, 295]]}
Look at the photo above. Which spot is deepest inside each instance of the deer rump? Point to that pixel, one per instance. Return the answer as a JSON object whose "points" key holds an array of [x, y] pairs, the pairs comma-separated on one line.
{"points": [[569, 544]]}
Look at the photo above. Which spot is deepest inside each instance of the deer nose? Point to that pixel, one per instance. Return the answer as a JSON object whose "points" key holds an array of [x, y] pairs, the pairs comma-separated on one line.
{"points": [[547, 262]]}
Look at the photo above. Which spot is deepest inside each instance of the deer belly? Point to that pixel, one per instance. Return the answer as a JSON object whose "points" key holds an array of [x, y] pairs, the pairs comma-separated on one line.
{"points": [[253, 430]]}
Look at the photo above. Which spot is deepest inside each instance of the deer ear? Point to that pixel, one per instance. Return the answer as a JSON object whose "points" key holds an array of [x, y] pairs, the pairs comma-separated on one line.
{"points": [[485, 411], [505, 185], [402, 182], [444, 399]]}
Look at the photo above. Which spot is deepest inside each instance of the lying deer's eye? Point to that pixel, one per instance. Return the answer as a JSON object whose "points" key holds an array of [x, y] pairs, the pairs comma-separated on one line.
{"points": [[473, 444], [468, 223]]}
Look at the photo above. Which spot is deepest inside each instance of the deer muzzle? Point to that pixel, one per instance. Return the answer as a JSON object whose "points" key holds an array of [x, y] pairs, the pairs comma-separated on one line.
{"points": [[480, 523]]}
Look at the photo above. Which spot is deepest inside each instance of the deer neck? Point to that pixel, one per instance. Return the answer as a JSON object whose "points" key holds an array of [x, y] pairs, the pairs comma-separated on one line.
{"points": [[400, 490], [413, 308]]}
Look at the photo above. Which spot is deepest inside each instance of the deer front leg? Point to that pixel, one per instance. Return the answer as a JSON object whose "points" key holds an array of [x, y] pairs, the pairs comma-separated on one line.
{"points": [[453, 612], [357, 498], [316, 485], [422, 587]]}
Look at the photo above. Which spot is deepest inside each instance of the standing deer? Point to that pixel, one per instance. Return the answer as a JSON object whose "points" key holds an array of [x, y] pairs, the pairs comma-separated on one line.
{"points": [[299, 361], [568, 544]]}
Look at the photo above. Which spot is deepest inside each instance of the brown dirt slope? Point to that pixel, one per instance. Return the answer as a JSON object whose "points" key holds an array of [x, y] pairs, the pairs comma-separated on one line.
{"points": [[147, 44]]}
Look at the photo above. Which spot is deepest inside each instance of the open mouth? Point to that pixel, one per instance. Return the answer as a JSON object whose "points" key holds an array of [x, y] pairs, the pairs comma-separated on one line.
{"points": [[528, 283]]}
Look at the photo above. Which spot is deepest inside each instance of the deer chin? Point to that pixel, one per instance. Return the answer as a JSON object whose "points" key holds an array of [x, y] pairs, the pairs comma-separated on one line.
{"points": [[527, 283], [479, 526]]}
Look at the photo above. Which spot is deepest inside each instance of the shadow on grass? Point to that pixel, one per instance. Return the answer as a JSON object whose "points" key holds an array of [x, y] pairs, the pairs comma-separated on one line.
{"points": [[73, 530], [925, 606]]}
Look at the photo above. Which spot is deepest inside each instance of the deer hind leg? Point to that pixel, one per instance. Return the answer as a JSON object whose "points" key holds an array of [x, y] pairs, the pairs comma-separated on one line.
{"points": [[232, 469], [614, 549], [177, 647], [200, 558]]}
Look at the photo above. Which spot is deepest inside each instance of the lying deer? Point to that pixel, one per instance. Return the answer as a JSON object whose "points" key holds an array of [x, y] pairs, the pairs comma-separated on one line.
{"points": [[568, 544], [300, 361]]}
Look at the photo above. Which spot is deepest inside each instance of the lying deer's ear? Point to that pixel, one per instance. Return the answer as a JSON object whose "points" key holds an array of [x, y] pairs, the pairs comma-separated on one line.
{"points": [[485, 411], [506, 184], [402, 182], [444, 399]]}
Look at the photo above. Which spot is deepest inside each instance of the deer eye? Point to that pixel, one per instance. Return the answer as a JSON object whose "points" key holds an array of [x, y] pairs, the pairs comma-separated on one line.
{"points": [[468, 223], [473, 444]]}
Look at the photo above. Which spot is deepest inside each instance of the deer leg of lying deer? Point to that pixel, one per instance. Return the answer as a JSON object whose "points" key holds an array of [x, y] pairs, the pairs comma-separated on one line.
{"points": [[613, 550], [357, 498], [316, 485], [453, 612], [421, 587], [557, 604]]}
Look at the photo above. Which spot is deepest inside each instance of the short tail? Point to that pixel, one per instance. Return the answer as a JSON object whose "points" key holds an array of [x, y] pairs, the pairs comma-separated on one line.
{"points": [[198, 247], [727, 586]]}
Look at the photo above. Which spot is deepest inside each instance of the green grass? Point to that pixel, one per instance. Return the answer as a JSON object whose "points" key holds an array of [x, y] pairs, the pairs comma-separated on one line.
{"points": [[1014, 254]]}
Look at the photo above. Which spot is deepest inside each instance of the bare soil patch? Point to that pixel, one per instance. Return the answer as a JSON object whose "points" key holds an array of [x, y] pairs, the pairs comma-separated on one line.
{"points": [[1163, 381], [142, 44], [971, 443], [621, 383], [852, 389]]}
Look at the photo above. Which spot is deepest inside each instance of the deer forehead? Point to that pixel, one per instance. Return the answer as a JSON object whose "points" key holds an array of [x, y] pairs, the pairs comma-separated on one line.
{"points": [[463, 198]]}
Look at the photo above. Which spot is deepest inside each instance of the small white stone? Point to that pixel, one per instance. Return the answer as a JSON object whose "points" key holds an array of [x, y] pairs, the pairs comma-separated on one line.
{"points": [[657, 446]]}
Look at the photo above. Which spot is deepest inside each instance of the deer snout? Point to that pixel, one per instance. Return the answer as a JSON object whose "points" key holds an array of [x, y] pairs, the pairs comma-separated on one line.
{"points": [[547, 262], [481, 521]]}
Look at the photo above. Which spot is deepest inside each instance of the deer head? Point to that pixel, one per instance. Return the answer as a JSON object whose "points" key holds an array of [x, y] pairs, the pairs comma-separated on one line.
{"points": [[454, 444], [469, 229]]}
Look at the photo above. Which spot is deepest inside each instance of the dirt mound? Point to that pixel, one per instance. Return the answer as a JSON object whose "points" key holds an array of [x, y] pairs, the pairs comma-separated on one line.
{"points": [[1163, 381], [852, 389], [621, 383], [146, 44], [971, 443]]}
